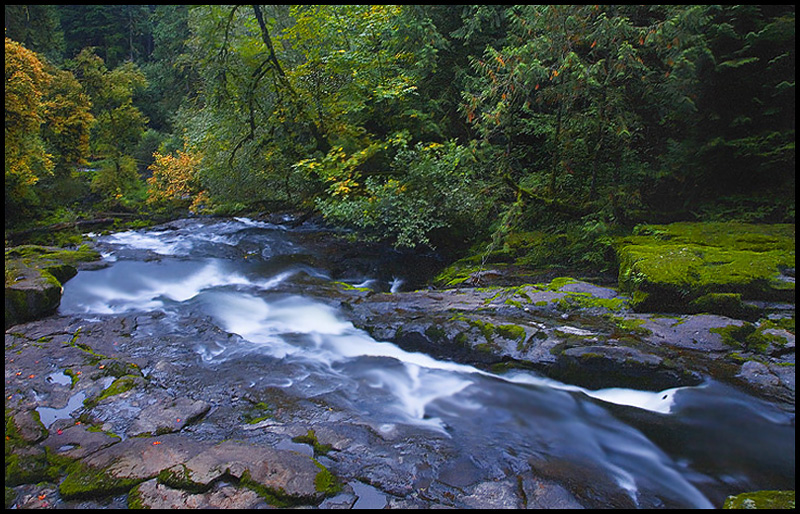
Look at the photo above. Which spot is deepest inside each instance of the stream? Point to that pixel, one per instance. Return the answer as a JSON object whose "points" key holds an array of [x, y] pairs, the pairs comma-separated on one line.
{"points": [[264, 286]]}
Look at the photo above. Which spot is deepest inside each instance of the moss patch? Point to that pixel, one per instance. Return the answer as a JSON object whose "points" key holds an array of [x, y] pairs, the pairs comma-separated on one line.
{"points": [[750, 337], [257, 413], [325, 482], [118, 386], [666, 267], [178, 477], [33, 278], [84, 481], [311, 439], [761, 500]]}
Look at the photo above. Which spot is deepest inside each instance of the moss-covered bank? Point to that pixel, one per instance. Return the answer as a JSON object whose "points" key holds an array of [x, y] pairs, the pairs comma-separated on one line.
{"points": [[761, 500], [34, 276], [707, 267]]}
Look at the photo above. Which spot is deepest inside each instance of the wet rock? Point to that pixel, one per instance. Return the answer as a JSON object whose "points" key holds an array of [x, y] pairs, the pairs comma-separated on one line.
{"points": [[165, 417], [599, 367], [37, 497], [76, 441], [153, 495], [33, 294], [772, 380], [285, 474], [34, 275], [116, 469], [544, 494], [28, 426], [695, 332], [494, 495]]}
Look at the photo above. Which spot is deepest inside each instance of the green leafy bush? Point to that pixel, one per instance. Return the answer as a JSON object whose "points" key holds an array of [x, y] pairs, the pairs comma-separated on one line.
{"points": [[430, 188]]}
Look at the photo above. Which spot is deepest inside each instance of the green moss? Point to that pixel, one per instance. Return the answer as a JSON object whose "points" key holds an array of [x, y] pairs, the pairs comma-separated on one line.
{"points": [[274, 497], [118, 386], [35, 253], [11, 497], [350, 287], [325, 482], [257, 413], [634, 326], [747, 337], [83, 481], [457, 273], [724, 304], [557, 283], [135, 500], [761, 500], [686, 261], [74, 377], [177, 477], [436, 334], [311, 439], [589, 301], [513, 332]]}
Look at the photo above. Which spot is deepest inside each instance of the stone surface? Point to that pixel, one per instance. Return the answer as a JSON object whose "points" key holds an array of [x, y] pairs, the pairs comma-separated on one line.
{"points": [[285, 473], [153, 495], [168, 416]]}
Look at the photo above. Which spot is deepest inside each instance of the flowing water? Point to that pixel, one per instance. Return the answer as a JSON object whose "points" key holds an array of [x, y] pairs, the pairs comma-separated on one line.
{"points": [[261, 281]]}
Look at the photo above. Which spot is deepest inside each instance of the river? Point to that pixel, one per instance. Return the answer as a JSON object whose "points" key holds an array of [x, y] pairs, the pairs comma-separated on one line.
{"points": [[264, 283]]}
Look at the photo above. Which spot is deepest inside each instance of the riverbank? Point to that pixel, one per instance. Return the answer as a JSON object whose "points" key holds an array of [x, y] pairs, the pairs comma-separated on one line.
{"points": [[214, 418]]}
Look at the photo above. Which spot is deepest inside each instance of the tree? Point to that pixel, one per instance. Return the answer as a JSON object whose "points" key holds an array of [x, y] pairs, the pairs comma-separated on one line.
{"points": [[174, 181], [747, 106], [26, 159], [37, 27], [119, 125]]}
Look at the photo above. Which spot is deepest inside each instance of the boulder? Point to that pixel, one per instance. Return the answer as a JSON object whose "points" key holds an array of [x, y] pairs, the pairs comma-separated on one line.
{"points": [[283, 475], [34, 275], [692, 267], [31, 294]]}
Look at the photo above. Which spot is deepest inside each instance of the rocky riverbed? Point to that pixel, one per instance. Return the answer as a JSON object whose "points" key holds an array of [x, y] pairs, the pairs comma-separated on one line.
{"points": [[245, 364]]}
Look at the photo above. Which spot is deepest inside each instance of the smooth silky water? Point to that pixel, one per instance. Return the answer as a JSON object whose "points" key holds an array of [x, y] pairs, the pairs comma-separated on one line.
{"points": [[253, 279]]}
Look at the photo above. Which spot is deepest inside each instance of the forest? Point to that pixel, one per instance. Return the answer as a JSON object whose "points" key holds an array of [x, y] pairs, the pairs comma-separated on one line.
{"points": [[423, 126], [400, 256]]}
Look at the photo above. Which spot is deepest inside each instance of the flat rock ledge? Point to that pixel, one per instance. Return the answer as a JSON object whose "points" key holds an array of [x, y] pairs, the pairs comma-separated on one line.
{"points": [[586, 334], [177, 470]]}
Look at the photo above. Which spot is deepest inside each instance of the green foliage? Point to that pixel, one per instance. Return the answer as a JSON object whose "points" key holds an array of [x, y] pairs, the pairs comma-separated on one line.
{"points": [[430, 188], [117, 178], [418, 124], [761, 500]]}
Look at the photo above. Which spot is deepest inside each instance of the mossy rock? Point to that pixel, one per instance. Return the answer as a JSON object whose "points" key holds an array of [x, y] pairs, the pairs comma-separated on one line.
{"points": [[667, 267], [84, 481], [761, 500], [34, 276], [30, 294], [724, 304]]}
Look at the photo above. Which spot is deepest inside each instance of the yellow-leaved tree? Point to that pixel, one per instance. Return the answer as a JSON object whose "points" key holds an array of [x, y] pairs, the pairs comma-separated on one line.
{"points": [[47, 123], [26, 160], [174, 182]]}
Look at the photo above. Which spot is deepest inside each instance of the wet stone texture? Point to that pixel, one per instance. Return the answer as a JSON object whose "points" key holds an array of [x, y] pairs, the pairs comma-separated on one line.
{"points": [[160, 411]]}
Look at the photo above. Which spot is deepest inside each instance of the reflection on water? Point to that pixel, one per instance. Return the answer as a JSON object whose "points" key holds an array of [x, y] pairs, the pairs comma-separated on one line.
{"points": [[686, 437]]}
